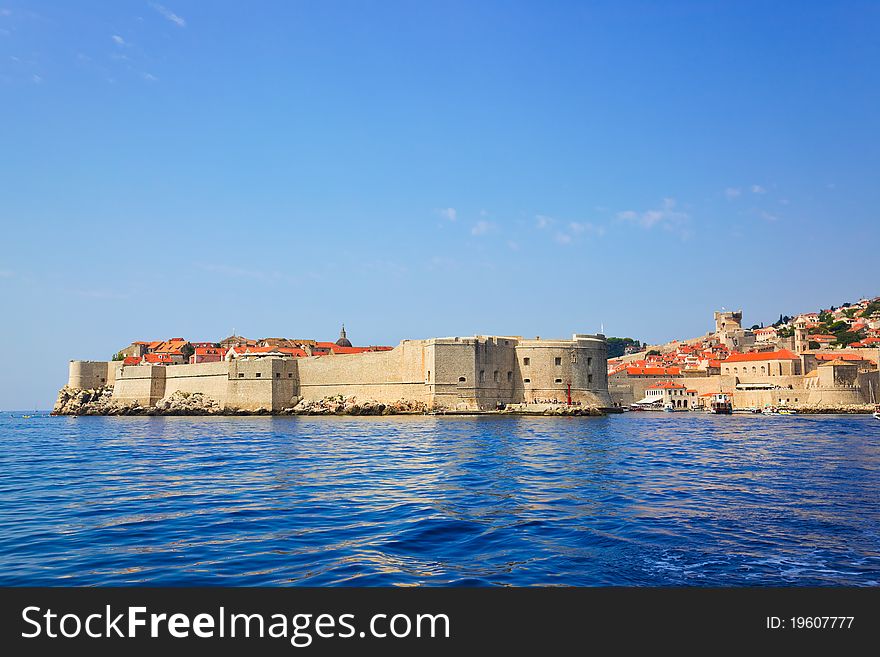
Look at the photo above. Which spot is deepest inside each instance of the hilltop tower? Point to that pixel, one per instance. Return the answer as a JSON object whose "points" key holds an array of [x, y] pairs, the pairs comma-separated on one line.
{"points": [[801, 343], [727, 321]]}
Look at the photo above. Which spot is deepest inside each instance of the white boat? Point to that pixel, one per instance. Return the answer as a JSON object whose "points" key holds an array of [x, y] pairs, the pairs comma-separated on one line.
{"points": [[876, 412]]}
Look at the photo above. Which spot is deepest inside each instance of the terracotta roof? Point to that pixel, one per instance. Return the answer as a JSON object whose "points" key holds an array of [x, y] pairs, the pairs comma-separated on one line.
{"points": [[838, 361], [782, 354], [843, 356], [653, 371], [131, 360], [665, 385]]}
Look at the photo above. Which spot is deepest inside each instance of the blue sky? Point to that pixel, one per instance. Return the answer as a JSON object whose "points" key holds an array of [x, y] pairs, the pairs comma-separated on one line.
{"points": [[426, 169]]}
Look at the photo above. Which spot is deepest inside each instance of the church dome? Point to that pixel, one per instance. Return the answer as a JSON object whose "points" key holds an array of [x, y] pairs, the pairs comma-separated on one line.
{"points": [[343, 341]]}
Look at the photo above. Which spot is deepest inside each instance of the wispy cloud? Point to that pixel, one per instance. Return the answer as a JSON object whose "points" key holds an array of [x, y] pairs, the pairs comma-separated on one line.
{"points": [[732, 192], [149, 77], [481, 228], [542, 221], [6, 273], [757, 189], [666, 216], [586, 227], [575, 228], [450, 214], [170, 15], [238, 272], [118, 40], [767, 216], [513, 246], [36, 79], [100, 294]]}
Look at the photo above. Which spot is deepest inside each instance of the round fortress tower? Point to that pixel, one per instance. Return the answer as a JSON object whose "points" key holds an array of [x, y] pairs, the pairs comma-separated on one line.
{"points": [[553, 369]]}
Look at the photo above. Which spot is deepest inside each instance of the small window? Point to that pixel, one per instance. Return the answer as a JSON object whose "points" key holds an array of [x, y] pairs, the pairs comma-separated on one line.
{"points": [[495, 376], [482, 375], [527, 380], [241, 375], [590, 361], [509, 377], [589, 378], [558, 361], [258, 374], [558, 381], [277, 375], [290, 375], [461, 379], [526, 361]]}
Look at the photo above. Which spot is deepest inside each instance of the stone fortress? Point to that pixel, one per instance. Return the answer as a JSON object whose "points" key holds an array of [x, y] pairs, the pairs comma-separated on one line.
{"points": [[480, 373]]}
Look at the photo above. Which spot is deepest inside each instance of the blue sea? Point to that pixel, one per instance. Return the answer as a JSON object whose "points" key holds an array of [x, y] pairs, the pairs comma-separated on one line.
{"points": [[636, 499]]}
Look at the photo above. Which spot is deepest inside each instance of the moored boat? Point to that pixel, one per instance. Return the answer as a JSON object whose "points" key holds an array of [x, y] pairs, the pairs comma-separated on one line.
{"points": [[721, 404]]}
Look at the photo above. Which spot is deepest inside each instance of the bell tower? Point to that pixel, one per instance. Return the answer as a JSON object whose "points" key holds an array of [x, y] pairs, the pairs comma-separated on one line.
{"points": [[801, 343]]}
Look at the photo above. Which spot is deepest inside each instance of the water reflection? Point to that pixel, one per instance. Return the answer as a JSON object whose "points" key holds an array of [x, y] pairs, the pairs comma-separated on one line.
{"points": [[635, 499]]}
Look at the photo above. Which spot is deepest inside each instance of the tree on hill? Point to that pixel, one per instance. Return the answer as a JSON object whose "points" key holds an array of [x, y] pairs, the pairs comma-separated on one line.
{"points": [[847, 337], [617, 346], [118, 356], [653, 352]]}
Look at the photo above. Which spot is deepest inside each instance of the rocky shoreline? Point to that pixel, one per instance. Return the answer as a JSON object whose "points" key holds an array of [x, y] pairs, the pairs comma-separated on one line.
{"points": [[100, 401]]}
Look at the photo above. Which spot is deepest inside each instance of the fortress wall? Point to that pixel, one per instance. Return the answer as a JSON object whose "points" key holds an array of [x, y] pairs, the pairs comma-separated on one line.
{"points": [[448, 360], [384, 376], [90, 374], [250, 384], [210, 379], [142, 383]]}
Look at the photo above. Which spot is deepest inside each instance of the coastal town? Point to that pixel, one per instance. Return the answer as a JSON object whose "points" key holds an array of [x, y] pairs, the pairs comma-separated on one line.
{"points": [[815, 361], [824, 361]]}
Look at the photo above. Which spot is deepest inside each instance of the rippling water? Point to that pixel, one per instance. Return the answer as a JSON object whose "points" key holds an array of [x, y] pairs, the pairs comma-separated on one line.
{"points": [[638, 499]]}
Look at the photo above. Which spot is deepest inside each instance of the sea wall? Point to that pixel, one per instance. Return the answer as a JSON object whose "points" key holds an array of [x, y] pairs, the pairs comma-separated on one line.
{"points": [[464, 374], [385, 376]]}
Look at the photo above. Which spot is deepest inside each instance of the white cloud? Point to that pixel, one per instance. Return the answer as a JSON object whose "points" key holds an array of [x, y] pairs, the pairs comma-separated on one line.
{"points": [[562, 238], [36, 78], [542, 221], [732, 192], [149, 77], [118, 40], [170, 15], [757, 189], [481, 228], [6, 273], [769, 217], [484, 213], [578, 227], [449, 214], [100, 294], [513, 246], [666, 216]]}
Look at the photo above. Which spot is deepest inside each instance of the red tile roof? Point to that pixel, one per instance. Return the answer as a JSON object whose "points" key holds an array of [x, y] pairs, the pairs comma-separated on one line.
{"points": [[652, 371], [665, 385], [782, 354]]}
